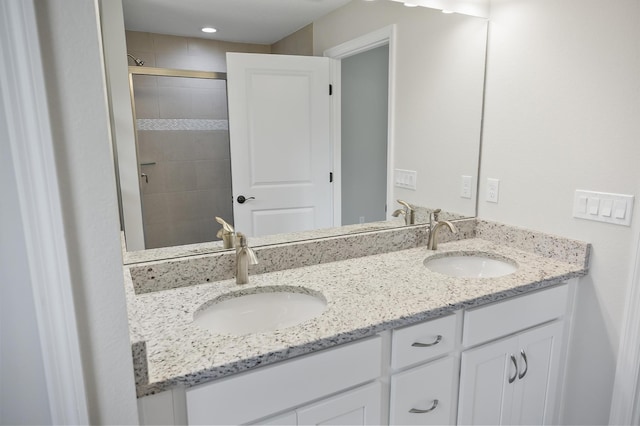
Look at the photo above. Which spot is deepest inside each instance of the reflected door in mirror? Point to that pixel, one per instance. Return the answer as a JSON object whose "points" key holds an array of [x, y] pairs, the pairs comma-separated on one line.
{"points": [[281, 148]]}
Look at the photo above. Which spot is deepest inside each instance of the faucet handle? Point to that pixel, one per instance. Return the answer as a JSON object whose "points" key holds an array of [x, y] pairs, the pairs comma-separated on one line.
{"points": [[225, 233], [225, 226], [243, 246], [406, 205]]}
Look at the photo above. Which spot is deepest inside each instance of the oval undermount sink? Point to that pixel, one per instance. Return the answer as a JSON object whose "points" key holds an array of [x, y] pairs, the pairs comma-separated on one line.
{"points": [[470, 265], [267, 309]]}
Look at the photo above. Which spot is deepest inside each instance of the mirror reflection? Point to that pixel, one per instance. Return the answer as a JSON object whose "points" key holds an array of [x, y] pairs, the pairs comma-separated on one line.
{"points": [[427, 130]]}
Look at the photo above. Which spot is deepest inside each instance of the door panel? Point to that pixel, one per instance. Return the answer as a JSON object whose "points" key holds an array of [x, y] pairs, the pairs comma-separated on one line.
{"points": [[270, 221], [536, 391], [357, 407], [280, 142], [485, 392]]}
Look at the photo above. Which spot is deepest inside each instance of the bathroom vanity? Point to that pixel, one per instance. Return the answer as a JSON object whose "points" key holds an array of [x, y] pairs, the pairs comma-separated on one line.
{"points": [[396, 343]]}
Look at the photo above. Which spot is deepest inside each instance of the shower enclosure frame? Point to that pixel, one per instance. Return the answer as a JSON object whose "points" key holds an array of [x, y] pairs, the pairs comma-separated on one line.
{"points": [[158, 72]]}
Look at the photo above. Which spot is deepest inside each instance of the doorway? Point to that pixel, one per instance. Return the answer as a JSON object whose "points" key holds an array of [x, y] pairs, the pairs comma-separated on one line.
{"points": [[364, 71], [364, 112]]}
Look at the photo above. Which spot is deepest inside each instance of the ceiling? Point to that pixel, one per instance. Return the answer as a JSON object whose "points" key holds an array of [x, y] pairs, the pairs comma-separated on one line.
{"points": [[246, 21]]}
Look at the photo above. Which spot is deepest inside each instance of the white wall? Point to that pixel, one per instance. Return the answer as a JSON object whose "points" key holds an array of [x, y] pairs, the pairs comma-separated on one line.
{"points": [[23, 386], [562, 108], [438, 88], [70, 41]]}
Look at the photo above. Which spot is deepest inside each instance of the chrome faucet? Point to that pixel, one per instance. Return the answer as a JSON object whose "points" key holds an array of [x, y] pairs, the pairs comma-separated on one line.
{"points": [[408, 212], [434, 228], [245, 256]]}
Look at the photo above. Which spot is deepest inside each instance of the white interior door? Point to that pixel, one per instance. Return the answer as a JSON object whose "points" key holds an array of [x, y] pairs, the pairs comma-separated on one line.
{"points": [[279, 127]]}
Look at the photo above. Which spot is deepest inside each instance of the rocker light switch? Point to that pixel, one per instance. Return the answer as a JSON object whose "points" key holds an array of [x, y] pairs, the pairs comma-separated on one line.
{"points": [[582, 204], [593, 204], [606, 207], [619, 209]]}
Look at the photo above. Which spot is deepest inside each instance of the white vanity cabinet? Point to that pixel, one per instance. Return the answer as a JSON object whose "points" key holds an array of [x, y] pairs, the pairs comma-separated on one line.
{"points": [[514, 380], [495, 364]]}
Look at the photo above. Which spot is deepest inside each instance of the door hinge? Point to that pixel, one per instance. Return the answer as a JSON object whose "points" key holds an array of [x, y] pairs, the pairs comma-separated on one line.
{"points": [[330, 176], [330, 89]]}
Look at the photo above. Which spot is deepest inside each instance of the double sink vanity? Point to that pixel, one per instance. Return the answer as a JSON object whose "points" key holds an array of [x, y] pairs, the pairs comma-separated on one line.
{"points": [[367, 328]]}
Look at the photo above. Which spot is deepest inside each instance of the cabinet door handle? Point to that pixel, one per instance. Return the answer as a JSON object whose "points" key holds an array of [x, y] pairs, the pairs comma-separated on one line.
{"points": [[515, 364], [526, 364], [426, 345], [428, 410]]}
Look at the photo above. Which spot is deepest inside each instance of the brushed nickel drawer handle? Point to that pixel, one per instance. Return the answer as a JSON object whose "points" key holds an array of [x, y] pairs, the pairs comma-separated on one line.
{"points": [[526, 364], [515, 364], [426, 345], [428, 410]]}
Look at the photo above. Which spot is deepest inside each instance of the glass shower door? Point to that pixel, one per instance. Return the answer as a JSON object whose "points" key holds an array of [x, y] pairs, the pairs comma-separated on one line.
{"points": [[183, 155]]}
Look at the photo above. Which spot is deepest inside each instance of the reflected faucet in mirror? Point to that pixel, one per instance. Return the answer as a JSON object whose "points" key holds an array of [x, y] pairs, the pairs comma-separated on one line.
{"points": [[408, 212], [226, 233], [245, 256]]}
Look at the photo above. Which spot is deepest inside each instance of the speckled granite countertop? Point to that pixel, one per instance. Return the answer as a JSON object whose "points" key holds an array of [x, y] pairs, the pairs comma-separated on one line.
{"points": [[364, 296]]}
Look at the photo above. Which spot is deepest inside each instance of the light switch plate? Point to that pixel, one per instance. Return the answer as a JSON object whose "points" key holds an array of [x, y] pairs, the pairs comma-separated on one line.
{"points": [[603, 207], [405, 178]]}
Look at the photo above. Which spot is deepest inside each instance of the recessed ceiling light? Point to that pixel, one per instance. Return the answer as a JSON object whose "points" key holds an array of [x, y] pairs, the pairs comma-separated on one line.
{"points": [[409, 4], [209, 30], [447, 11]]}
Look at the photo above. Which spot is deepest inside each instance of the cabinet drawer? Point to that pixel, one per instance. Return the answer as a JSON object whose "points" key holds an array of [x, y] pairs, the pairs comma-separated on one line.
{"points": [[256, 394], [428, 390], [510, 316], [423, 341]]}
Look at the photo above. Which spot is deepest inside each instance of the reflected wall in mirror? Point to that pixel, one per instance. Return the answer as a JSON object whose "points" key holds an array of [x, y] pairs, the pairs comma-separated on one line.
{"points": [[436, 82]]}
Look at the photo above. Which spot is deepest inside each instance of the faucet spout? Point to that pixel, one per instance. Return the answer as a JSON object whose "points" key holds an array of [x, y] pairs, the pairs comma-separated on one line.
{"points": [[245, 256], [433, 232]]}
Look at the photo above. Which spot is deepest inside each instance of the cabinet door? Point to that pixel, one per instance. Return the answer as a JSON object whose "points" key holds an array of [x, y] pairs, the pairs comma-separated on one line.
{"points": [[539, 353], [424, 395], [287, 419], [512, 381], [485, 391], [361, 406]]}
